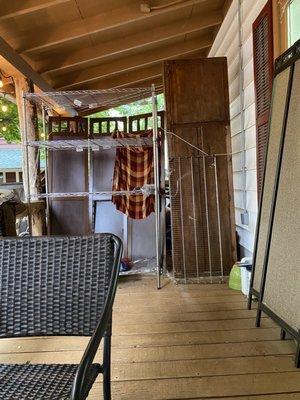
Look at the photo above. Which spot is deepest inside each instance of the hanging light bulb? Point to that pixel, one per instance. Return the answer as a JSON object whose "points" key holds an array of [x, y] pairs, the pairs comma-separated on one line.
{"points": [[4, 128], [4, 108], [1, 83]]}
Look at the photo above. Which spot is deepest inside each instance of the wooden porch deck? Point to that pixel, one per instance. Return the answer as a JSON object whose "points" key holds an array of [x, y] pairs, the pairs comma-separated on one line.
{"points": [[183, 342]]}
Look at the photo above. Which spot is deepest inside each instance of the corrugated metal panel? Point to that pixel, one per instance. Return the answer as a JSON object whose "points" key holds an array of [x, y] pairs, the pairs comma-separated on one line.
{"points": [[226, 44]]}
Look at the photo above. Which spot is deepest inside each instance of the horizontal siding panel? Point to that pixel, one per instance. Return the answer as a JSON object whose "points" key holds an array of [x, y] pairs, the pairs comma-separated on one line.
{"points": [[249, 117], [251, 159], [230, 19], [231, 52], [236, 143], [234, 89], [246, 238], [251, 180], [233, 68], [249, 95], [250, 17], [238, 180], [236, 125], [251, 202], [235, 107], [227, 44], [247, 49], [237, 162], [248, 73], [228, 38], [250, 137]]}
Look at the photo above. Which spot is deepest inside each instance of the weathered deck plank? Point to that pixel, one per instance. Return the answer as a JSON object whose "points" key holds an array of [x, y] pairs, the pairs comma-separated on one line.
{"points": [[183, 342]]}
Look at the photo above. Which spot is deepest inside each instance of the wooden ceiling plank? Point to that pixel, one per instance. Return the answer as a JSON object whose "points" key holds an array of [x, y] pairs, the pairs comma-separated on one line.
{"points": [[131, 62], [98, 23], [21, 65], [137, 77], [129, 43], [128, 78], [12, 9]]}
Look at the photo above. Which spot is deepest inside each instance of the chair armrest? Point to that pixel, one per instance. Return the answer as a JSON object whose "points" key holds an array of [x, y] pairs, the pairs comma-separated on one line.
{"points": [[93, 345]]}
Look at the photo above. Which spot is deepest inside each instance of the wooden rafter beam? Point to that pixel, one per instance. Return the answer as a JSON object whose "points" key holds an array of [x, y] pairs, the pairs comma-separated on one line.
{"points": [[136, 77], [21, 65], [132, 42], [106, 20], [128, 78], [15, 8], [131, 62]]}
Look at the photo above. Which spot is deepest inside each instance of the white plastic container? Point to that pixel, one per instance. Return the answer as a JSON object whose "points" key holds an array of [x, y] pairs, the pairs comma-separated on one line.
{"points": [[245, 276]]}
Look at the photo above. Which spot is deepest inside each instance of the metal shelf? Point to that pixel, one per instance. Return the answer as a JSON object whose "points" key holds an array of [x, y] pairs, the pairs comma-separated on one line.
{"points": [[102, 143], [78, 102], [83, 100], [88, 194]]}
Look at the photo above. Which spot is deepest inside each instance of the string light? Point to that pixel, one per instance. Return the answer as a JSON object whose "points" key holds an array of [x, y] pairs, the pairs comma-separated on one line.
{"points": [[4, 128], [4, 108]]}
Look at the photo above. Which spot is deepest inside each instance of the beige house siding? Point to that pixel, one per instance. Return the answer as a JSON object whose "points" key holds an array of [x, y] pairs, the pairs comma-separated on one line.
{"points": [[242, 110]]}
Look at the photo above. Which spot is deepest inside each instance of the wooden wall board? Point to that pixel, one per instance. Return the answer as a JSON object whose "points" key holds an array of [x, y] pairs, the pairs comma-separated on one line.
{"points": [[198, 111], [196, 90], [279, 95], [282, 287]]}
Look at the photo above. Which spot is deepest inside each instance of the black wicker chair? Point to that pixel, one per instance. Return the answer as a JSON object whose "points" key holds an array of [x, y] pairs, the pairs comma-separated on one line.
{"points": [[52, 286]]}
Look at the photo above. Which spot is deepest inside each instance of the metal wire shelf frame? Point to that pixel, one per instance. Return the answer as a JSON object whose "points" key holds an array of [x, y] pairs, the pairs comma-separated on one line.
{"points": [[80, 101]]}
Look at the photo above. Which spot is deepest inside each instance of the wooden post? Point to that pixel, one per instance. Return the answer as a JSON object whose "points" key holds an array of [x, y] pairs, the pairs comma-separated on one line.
{"points": [[22, 85]]}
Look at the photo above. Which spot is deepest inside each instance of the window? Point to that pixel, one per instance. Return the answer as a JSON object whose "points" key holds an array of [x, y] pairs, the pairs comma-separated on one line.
{"points": [[1, 177], [293, 18]]}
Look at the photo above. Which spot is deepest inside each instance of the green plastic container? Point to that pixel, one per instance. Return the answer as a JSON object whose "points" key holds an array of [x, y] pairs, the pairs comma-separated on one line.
{"points": [[235, 278]]}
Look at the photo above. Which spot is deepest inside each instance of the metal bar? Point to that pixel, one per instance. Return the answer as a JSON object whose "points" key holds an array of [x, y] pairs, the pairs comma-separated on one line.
{"points": [[46, 173], [163, 201], [218, 217], [156, 184], [206, 210], [181, 221], [242, 102], [194, 219], [90, 178], [188, 143], [86, 194], [27, 166]]}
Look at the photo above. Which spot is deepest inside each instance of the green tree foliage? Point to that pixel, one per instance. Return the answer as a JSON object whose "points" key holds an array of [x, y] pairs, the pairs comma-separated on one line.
{"points": [[139, 107], [9, 121]]}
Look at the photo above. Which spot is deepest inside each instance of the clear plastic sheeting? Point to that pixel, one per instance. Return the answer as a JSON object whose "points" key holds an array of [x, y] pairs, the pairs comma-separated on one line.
{"points": [[143, 266]]}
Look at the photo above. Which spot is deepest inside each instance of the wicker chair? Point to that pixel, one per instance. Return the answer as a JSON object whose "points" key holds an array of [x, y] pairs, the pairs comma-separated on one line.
{"points": [[58, 286]]}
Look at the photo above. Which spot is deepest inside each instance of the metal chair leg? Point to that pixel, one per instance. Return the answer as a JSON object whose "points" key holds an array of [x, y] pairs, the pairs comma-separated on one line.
{"points": [[297, 358], [107, 365], [282, 334], [258, 317]]}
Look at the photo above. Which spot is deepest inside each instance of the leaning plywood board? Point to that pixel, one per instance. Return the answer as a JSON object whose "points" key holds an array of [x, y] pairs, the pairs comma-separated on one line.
{"points": [[282, 287], [197, 104], [279, 96]]}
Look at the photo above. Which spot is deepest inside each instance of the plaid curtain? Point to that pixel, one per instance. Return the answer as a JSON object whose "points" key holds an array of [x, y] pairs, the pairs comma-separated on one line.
{"points": [[133, 169]]}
